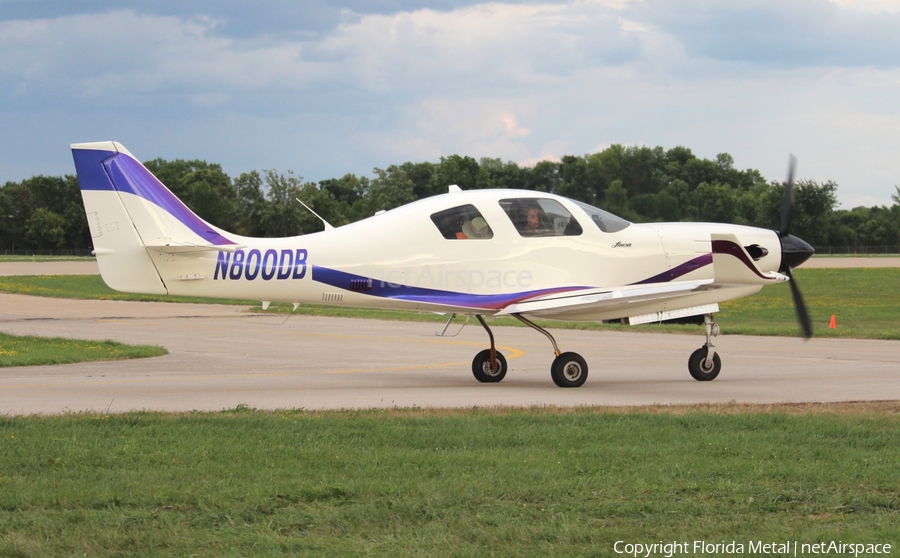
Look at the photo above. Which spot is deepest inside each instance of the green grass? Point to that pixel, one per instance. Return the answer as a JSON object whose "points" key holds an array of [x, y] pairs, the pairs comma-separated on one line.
{"points": [[472, 482], [29, 350], [10, 258], [90, 287], [865, 302]]}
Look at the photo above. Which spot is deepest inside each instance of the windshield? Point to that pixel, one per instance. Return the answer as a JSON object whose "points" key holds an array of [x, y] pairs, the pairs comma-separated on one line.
{"points": [[606, 221]]}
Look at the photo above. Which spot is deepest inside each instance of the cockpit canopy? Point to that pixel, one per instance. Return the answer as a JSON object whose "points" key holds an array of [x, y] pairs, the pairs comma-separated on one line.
{"points": [[531, 216]]}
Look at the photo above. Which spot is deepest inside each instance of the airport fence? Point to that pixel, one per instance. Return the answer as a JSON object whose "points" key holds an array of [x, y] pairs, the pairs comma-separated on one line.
{"points": [[47, 252]]}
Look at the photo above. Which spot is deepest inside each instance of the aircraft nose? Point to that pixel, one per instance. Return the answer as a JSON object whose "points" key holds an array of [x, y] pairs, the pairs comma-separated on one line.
{"points": [[794, 251]]}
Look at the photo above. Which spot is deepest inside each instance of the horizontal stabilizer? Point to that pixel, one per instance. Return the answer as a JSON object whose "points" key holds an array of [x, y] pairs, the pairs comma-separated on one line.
{"points": [[189, 248]]}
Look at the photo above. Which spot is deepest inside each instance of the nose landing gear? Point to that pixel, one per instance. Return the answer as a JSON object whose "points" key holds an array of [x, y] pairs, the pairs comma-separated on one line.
{"points": [[705, 364]]}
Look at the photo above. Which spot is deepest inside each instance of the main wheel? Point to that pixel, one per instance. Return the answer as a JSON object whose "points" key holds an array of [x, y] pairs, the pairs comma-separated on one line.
{"points": [[569, 370], [481, 366], [700, 369]]}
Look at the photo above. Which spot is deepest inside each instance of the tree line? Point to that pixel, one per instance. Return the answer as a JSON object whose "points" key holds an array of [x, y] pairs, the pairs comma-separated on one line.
{"points": [[641, 184]]}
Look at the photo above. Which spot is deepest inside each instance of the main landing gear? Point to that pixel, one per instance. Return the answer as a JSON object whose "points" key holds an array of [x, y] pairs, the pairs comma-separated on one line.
{"points": [[489, 365], [705, 364], [568, 369]]}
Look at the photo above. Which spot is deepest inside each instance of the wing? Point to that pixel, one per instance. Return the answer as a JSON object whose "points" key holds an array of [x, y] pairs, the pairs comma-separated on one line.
{"points": [[602, 299], [733, 270]]}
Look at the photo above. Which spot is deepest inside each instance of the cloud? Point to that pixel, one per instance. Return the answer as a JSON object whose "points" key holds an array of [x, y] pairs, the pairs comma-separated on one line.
{"points": [[775, 33], [373, 85]]}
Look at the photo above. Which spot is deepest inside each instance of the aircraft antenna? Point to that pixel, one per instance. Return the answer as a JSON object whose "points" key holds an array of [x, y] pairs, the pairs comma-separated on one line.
{"points": [[326, 223]]}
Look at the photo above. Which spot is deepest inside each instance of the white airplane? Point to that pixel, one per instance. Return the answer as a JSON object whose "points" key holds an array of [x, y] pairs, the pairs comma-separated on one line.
{"points": [[519, 253]]}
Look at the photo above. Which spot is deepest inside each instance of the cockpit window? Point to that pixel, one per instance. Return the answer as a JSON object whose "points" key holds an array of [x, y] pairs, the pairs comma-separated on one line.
{"points": [[603, 219], [540, 217], [462, 223]]}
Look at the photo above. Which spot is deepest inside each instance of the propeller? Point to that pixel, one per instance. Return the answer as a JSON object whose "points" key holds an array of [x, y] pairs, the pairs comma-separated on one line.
{"points": [[787, 204], [794, 251]]}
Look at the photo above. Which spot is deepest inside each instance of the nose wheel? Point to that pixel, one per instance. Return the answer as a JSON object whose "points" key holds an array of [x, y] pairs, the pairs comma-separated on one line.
{"points": [[702, 368], [705, 364]]}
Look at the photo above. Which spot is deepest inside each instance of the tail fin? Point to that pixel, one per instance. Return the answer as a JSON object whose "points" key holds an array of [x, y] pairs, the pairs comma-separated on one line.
{"points": [[128, 211]]}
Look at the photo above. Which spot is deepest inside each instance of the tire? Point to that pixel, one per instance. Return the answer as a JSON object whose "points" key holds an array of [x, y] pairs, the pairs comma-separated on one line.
{"points": [[569, 370], [481, 367], [698, 368]]}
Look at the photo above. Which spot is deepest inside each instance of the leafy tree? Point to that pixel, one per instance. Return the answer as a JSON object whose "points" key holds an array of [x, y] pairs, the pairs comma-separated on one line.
{"points": [[16, 206], [575, 183], [251, 202], [390, 188], [281, 214], [465, 172], [545, 177], [813, 210], [505, 175], [347, 197], [211, 195], [202, 186], [715, 203], [422, 177], [602, 169], [638, 169], [45, 229], [616, 198]]}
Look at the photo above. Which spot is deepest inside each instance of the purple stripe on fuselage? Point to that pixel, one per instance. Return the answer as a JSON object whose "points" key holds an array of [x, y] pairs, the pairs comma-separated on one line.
{"points": [[679, 271], [732, 249], [384, 289], [127, 175]]}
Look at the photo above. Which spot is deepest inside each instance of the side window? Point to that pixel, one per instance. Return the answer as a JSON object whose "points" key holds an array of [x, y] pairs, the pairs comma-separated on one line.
{"points": [[540, 217], [605, 221], [463, 222]]}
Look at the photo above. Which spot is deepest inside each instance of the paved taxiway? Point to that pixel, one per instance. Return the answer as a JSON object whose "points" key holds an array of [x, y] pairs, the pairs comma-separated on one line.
{"points": [[221, 357]]}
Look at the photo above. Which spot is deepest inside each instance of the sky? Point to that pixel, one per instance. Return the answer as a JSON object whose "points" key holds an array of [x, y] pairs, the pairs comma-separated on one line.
{"points": [[329, 88]]}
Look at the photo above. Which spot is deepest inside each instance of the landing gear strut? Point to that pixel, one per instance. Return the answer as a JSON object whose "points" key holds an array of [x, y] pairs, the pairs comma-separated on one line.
{"points": [[705, 364], [568, 370], [489, 365]]}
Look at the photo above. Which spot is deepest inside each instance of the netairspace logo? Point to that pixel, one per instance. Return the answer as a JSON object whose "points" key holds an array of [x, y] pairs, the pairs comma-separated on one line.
{"points": [[769, 548]]}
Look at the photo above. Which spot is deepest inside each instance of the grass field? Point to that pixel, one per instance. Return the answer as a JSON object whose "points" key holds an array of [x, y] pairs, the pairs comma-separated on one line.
{"points": [[27, 350], [865, 302], [529, 482]]}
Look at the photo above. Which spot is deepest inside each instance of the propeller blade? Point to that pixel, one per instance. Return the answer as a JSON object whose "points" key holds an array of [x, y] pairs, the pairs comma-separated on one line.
{"points": [[787, 204], [800, 306]]}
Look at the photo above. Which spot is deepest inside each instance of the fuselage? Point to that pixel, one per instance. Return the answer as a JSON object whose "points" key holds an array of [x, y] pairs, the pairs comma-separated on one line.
{"points": [[403, 259]]}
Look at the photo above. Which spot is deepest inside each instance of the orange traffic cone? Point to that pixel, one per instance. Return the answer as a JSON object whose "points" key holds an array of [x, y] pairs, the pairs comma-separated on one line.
{"points": [[833, 324]]}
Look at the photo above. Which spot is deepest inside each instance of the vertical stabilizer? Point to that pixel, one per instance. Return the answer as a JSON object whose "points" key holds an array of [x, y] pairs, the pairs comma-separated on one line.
{"points": [[129, 210], [124, 262]]}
